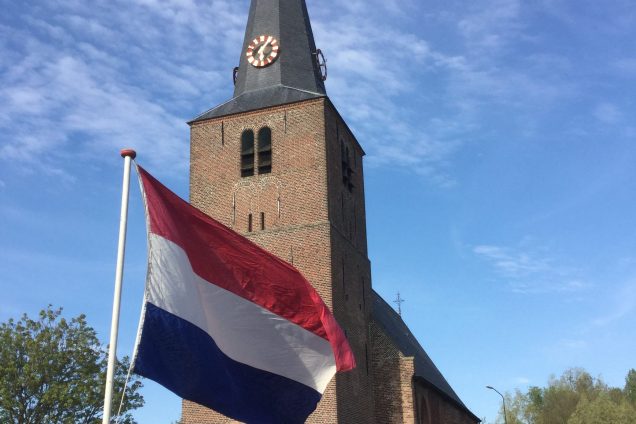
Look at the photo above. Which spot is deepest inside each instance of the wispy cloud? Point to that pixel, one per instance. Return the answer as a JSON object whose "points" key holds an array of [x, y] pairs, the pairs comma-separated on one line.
{"points": [[511, 263], [620, 305], [376, 88], [529, 272], [493, 27], [524, 381], [607, 113], [571, 344], [89, 79], [626, 66], [92, 77]]}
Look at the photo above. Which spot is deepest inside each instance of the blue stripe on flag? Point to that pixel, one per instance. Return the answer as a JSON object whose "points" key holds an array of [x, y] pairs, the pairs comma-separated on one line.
{"points": [[186, 360]]}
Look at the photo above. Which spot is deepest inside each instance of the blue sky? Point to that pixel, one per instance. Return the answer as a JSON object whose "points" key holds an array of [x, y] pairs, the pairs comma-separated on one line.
{"points": [[500, 169]]}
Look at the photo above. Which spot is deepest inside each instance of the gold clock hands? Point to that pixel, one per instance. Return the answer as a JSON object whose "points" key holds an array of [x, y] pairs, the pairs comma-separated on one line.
{"points": [[261, 51]]}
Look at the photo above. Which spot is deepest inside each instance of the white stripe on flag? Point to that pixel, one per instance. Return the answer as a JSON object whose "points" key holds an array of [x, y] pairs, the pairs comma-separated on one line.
{"points": [[243, 330]]}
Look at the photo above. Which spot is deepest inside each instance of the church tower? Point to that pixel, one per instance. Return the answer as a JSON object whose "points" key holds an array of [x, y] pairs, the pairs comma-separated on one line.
{"points": [[278, 164]]}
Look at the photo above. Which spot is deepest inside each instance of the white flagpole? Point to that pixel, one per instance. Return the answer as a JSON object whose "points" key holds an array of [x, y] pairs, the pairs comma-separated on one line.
{"points": [[128, 155]]}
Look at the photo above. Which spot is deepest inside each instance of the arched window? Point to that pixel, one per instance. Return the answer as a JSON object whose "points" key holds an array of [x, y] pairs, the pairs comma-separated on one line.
{"points": [[265, 150], [247, 153]]}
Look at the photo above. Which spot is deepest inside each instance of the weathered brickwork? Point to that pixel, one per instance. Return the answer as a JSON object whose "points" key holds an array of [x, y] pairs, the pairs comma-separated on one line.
{"points": [[393, 374], [432, 407], [401, 398], [310, 211], [312, 219]]}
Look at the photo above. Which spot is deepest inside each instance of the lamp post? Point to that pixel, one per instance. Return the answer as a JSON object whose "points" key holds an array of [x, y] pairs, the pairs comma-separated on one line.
{"points": [[504, 403]]}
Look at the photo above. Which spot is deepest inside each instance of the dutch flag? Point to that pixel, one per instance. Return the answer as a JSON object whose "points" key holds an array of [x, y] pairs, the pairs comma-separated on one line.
{"points": [[227, 324]]}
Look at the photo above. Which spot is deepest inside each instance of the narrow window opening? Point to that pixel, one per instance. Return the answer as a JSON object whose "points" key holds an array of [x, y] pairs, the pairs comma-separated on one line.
{"points": [[249, 223], [285, 120], [355, 220], [262, 220], [265, 150], [222, 133], [347, 172], [342, 206], [234, 209], [364, 294], [366, 357], [343, 158], [247, 153]]}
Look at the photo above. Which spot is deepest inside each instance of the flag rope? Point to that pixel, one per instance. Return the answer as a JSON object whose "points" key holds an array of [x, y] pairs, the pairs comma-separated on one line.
{"points": [[132, 359]]}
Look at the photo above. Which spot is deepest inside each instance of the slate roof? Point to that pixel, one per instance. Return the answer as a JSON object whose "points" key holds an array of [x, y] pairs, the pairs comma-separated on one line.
{"points": [[405, 341], [257, 99], [293, 77]]}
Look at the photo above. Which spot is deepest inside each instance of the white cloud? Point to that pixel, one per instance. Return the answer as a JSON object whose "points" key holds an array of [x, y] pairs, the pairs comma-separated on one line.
{"points": [[528, 272], [103, 74], [626, 66], [91, 82], [524, 381], [514, 264], [380, 98], [621, 305], [607, 113], [490, 27], [572, 344]]}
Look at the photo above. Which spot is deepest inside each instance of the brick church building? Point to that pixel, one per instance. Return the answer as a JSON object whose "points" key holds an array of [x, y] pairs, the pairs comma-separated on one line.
{"points": [[278, 164]]}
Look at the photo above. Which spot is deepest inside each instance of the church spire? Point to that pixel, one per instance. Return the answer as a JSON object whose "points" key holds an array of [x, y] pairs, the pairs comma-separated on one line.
{"points": [[295, 64], [279, 62]]}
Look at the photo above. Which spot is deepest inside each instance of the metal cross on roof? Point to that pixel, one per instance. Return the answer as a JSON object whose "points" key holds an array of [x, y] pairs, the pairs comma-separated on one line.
{"points": [[399, 302]]}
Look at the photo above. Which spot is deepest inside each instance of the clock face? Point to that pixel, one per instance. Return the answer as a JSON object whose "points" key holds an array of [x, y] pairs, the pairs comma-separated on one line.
{"points": [[262, 51]]}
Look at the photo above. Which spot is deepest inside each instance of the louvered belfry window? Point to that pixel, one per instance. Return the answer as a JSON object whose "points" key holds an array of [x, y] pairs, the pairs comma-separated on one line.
{"points": [[247, 153], [265, 150]]}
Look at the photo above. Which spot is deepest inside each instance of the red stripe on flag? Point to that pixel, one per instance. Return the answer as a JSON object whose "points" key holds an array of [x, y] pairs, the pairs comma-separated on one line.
{"points": [[224, 258]]}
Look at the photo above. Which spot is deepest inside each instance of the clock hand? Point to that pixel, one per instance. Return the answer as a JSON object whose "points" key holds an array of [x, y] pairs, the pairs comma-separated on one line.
{"points": [[261, 53]]}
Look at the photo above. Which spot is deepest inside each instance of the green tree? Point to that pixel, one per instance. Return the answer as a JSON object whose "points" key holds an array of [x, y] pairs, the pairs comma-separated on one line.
{"points": [[630, 386], [515, 408], [52, 371], [603, 410], [574, 398]]}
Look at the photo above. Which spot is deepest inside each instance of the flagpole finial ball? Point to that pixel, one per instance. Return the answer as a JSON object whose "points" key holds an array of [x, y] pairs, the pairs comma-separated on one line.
{"points": [[128, 152]]}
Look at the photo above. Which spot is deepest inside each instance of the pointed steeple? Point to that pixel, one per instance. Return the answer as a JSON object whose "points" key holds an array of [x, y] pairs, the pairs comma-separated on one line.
{"points": [[278, 62]]}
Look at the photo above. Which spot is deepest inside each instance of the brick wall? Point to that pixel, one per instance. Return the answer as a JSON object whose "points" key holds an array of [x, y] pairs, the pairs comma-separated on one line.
{"points": [[393, 373], [433, 408], [399, 398], [312, 219]]}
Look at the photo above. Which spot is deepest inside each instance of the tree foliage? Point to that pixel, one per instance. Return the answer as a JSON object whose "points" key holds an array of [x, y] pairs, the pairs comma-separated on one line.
{"points": [[574, 398], [630, 386], [53, 370]]}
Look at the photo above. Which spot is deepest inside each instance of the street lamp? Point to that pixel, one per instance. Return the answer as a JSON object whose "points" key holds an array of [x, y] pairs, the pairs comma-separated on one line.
{"points": [[504, 403]]}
